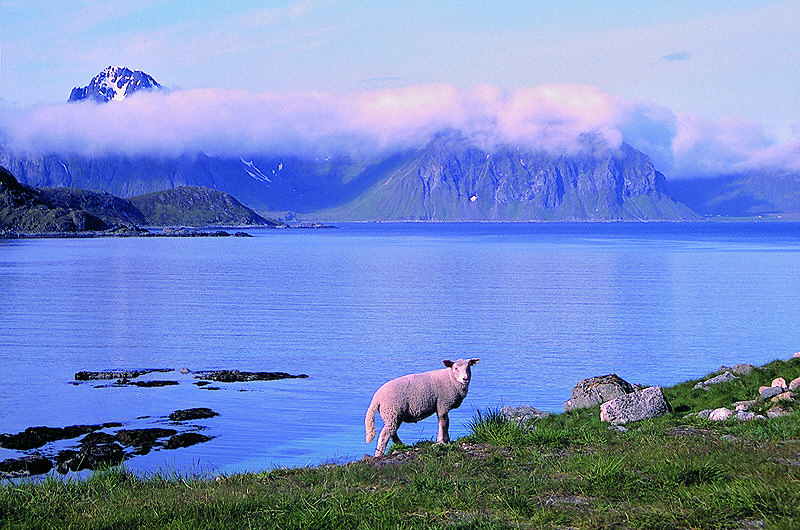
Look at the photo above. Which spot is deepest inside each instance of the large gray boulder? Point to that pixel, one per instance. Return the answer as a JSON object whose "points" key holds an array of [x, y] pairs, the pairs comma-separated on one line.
{"points": [[596, 390], [641, 405]]}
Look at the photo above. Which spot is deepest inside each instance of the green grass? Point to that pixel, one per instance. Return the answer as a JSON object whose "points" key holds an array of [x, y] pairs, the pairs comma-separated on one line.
{"points": [[563, 471]]}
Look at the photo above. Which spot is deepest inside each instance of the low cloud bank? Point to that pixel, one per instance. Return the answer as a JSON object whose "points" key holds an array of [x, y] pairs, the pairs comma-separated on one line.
{"points": [[556, 118]]}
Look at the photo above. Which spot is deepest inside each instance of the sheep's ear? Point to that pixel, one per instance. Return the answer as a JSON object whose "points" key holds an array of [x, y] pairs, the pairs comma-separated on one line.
{"points": [[448, 363], [473, 361]]}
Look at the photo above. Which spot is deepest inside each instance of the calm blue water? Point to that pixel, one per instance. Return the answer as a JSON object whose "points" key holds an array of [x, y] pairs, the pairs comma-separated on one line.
{"points": [[542, 305]]}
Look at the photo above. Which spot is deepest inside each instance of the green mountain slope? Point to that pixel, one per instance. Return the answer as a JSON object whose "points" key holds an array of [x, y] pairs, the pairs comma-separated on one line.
{"points": [[195, 206]]}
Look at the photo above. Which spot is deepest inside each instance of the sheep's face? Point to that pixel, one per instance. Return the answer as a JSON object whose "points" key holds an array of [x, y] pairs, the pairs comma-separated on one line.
{"points": [[461, 369]]}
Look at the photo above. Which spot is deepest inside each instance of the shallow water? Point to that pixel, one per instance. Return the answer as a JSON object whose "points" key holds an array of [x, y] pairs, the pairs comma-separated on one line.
{"points": [[542, 305]]}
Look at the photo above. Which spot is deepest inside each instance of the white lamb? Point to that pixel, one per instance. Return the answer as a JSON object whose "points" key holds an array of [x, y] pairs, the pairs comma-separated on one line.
{"points": [[414, 397]]}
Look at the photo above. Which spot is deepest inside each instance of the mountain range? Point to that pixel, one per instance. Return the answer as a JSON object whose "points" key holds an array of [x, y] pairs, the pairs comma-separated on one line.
{"points": [[449, 179]]}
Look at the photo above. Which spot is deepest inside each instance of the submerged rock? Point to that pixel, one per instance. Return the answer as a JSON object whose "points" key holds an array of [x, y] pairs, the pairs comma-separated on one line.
{"points": [[596, 390], [185, 440], [152, 384], [235, 376], [116, 374], [90, 456], [142, 437], [198, 413], [96, 438], [26, 465], [34, 437]]}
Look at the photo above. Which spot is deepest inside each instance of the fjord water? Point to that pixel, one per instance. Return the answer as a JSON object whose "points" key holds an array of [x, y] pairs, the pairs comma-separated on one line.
{"points": [[542, 305]]}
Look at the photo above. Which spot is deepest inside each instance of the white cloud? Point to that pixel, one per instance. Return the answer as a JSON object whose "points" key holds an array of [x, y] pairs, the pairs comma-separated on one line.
{"points": [[556, 118]]}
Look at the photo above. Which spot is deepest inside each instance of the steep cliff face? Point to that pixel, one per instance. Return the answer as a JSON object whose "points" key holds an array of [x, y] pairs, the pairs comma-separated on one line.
{"points": [[453, 180]]}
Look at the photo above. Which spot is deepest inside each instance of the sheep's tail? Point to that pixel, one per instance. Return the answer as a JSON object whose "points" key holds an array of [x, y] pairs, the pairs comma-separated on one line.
{"points": [[369, 421]]}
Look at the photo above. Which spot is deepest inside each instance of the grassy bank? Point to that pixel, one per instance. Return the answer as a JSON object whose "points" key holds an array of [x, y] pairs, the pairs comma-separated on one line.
{"points": [[567, 470]]}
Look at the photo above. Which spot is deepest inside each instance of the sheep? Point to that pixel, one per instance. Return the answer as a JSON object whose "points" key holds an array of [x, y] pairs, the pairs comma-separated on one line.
{"points": [[414, 397]]}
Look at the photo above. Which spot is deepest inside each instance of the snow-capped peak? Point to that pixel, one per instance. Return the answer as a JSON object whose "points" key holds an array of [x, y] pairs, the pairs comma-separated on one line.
{"points": [[113, 84]]}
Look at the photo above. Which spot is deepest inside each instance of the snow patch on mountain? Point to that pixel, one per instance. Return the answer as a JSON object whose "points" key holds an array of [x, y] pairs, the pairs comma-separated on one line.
{"points": [[254, 172]]}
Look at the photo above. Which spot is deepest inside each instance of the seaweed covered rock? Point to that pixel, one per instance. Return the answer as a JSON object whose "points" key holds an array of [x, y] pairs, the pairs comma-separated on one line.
{"points": [[34, 437], [197, 413], [185, 440], [26, 465], [235, 376], [90, 456]]}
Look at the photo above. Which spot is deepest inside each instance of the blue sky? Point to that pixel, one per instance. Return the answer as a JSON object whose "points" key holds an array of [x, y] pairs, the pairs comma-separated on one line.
{"points": [[715, 60]]}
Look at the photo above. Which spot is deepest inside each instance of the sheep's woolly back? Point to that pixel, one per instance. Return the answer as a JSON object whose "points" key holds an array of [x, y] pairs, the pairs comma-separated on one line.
{"points": [[414, 397]]}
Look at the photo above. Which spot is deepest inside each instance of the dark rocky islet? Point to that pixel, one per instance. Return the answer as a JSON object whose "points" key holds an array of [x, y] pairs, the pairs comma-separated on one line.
{"points": [[197, 413], [236, 376]]}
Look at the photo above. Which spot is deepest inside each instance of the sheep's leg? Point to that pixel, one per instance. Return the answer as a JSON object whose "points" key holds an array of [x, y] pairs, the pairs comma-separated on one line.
{"points": [[444, 424], [396, 439], [389, 431]]}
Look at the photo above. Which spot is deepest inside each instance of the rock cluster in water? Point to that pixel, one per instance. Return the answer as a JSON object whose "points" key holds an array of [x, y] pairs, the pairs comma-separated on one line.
{"points": [[108, 443], [98, 447]]}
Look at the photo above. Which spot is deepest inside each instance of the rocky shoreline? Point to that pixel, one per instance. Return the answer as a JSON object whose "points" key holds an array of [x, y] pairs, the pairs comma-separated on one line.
{"points": [[622, 402], [122, 232]]}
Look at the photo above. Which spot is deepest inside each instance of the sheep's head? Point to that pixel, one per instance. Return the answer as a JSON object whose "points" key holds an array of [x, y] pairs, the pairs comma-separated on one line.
{"points": [[460, 369]]}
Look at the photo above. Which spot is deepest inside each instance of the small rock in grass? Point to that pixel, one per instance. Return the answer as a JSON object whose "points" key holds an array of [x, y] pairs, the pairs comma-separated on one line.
{"points": [[720, 414], [728, 438], [783, 396], [767, 392], [744, 405], [722, 378], [777, 411], [780, 382], [743, 369], [523, 414]]}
